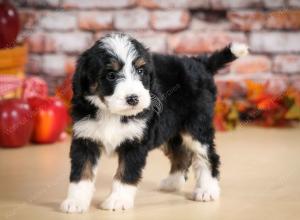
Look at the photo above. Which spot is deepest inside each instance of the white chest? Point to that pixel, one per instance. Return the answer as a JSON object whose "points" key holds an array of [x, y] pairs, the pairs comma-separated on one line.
{"points": [[109, 130]]}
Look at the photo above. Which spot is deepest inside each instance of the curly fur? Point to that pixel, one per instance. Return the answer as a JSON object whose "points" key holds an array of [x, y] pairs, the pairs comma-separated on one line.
{"points": [[179, 113]]}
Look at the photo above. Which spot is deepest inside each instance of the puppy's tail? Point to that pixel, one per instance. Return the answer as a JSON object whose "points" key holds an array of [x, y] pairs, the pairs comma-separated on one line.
{"points": [[220, 58]]}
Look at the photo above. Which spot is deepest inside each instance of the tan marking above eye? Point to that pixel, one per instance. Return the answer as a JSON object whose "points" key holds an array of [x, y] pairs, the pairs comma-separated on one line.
{"points": [[139, 62], [114, 65]]}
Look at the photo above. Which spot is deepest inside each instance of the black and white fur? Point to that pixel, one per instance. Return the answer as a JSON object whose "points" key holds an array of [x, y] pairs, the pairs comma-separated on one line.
{"points": [[116, 88]]}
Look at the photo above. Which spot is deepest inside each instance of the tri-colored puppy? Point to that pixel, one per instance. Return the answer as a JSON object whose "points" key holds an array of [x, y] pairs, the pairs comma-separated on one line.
{"points": [[128, 101]]}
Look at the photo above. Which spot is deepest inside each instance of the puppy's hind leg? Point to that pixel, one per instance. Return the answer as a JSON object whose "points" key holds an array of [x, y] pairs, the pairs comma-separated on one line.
{"points": [[205, 164], [180, 158]]}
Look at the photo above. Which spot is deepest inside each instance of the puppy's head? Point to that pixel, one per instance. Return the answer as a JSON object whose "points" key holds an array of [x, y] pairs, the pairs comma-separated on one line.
{"points": [[115, 74]]}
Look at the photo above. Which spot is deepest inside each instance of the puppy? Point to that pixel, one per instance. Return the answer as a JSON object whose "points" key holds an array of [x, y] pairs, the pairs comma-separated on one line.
{"points": [[128, 101]]}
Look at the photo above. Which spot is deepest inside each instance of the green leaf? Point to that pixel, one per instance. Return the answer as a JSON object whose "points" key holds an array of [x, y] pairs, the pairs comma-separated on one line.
{"points": [[233, 114], [293, 112]]}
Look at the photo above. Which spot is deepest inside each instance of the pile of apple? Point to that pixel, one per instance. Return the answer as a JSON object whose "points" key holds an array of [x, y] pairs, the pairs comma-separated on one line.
{"points": [[34, 116]]}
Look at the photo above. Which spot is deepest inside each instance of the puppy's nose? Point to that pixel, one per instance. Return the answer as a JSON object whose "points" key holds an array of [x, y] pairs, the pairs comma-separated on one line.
{"points": [[132, 100]]}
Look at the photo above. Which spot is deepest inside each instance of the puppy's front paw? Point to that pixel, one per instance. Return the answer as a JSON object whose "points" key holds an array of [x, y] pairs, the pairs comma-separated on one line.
{"points": [[121, 197], [74, 206], [207, 193], [117, 202], [239, 49], [173, 182]]}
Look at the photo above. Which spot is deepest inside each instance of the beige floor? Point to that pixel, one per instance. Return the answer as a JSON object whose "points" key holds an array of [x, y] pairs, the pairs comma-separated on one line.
{"points": [[260, 180]]}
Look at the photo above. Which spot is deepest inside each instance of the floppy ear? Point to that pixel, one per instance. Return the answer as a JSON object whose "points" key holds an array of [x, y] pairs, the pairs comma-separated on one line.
{"points": [[153, 84], [85, 77]]}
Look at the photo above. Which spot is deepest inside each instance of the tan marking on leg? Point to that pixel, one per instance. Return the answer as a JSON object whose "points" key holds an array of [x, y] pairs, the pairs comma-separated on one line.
{"points": [[87, 173], [181, 159], [120, 170]]}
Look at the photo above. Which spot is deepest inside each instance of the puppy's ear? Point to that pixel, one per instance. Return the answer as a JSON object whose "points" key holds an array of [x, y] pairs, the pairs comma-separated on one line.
{"points": [[153, 84], [88, 68]]}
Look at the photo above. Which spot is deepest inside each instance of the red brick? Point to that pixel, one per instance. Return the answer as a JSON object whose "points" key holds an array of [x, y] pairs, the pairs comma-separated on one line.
{"points": [[224, 4], [62, 21], [287, 64], [154, 41], [92, 4], [168, 4], [247, 20], [256, 20], [197, 24], [274, 3], [251, 64], [171, 20], [53, 65], [39, 42], [152, 4], [28, 18], [283, 19], [95, 20], [275, 42], [71, 43], [199, 42], [132, 19]]}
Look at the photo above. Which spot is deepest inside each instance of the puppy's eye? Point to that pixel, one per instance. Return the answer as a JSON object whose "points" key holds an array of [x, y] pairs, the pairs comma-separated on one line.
{"points": [[140, 71], [111, 76]]}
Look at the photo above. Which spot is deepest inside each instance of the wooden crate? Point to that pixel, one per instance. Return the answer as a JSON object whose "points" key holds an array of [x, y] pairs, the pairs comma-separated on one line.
{"points": [[13, 60]]}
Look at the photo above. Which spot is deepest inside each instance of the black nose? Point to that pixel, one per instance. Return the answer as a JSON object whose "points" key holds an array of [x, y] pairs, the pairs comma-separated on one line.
{"points": [[132, 100]]}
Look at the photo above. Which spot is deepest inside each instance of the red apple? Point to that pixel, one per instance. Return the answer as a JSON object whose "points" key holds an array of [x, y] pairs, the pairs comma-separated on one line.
{"points": [[9, 24], [50, 119], [16, 123]]}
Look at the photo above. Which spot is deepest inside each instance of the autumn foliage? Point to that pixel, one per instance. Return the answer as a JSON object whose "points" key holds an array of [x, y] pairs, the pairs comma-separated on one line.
{"points": [[256, 106]]}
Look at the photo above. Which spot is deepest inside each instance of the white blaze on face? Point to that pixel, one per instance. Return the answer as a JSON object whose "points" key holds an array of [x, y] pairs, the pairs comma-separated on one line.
{"points": [[121, 47]]}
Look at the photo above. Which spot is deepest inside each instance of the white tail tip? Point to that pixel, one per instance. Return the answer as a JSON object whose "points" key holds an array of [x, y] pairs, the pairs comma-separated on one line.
{"points": [[239, 49]]}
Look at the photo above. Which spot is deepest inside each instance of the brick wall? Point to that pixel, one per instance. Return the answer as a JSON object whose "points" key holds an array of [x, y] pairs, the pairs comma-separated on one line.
{"points": [[58, 30]]}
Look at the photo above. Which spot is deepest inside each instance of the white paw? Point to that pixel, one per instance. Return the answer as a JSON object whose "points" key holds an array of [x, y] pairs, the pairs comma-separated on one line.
{"points": [[239, 49], [74, 206], [117, 202], [121, 197], [207, 193], [173, 182]]}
